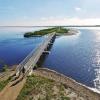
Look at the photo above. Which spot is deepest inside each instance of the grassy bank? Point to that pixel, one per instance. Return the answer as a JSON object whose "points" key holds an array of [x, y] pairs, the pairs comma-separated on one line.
{"points": [[5, 76], [3, 83], [40, 88], [60, 30]]}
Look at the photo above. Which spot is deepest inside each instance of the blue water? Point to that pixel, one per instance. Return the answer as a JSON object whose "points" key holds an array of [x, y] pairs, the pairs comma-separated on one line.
{"points": [[14, 47], [76, 56]]}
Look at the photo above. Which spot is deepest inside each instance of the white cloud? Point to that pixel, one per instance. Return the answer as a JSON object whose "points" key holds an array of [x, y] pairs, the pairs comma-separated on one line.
{"points": [[54, 21], [78, 9], [68, 21]]}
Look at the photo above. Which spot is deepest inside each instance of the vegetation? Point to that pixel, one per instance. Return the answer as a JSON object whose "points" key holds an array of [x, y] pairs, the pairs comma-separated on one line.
{"points": [[3, 83], [46, 31], [40, 88], [5, 68]]}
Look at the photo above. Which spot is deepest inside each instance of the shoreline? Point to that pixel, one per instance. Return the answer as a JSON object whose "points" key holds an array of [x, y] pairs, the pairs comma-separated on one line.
{"points": [[90, 88], [58, 30], [70, 32], [13, 68], [78, 87]]}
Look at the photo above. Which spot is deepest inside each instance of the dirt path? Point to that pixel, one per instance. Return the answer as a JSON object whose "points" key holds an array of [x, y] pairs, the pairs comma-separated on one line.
{"points": [[6, 75], [11, 92]]}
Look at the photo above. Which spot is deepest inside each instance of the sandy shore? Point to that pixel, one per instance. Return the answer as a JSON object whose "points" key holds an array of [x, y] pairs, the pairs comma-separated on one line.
{"points": [[79, 88]]}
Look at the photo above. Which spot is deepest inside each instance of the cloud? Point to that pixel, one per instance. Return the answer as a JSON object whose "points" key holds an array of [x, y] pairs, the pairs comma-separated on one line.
{"points": [[54, 21], [68, 21], [78, 9]]}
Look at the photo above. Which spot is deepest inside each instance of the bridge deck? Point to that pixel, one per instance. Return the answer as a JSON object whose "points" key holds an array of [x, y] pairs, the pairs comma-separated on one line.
{"points": [[30, 61]]}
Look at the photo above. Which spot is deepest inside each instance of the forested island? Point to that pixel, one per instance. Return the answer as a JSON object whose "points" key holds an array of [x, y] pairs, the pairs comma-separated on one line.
{"points": [[57, 30]]}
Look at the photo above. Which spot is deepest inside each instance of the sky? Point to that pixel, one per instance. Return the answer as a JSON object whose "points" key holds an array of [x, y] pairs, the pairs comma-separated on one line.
{"points": [[49, 12]]}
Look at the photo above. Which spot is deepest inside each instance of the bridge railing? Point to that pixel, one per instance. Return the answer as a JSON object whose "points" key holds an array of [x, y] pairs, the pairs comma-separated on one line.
{"points": [[22, 64], [33, 53]]}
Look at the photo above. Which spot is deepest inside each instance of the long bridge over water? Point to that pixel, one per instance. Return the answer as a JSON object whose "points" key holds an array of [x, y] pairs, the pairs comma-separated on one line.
{"points": [[27, 65]]}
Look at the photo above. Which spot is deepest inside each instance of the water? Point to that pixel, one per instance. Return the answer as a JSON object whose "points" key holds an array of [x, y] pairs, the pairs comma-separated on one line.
{"points": [[76, 56], [14, 47]]}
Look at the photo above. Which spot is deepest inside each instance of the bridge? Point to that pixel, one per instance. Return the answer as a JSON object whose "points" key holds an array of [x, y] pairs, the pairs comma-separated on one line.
{"points": [[27, 65]]}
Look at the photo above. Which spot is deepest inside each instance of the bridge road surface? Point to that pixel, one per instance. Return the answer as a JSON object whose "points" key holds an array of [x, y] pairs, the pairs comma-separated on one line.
{"points": [[30, 61]]}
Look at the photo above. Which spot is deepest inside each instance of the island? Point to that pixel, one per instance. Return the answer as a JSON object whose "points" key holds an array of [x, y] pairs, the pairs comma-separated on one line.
{"points": [[57, 30]]}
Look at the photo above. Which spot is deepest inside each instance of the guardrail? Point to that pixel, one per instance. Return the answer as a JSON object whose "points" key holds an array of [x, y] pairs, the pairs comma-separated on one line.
{"points": [[31, 60]]}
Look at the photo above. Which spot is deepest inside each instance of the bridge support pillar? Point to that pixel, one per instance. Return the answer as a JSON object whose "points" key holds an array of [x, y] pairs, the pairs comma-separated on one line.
{"points": [[46, 52]]}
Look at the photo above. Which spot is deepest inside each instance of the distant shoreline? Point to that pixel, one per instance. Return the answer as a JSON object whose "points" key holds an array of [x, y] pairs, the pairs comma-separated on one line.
{"points": [[58, 26], [58, 30]]}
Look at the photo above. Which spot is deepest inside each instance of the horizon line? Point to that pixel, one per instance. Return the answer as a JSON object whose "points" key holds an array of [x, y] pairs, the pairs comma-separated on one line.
{"points": [[50, 26]]}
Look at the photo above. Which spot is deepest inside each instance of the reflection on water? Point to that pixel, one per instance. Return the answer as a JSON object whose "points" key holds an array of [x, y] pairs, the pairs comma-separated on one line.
{"points": [[96, 60], [77, 57]]}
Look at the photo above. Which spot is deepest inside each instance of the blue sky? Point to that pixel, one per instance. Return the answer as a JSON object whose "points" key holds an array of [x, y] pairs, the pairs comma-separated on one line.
{"points": [[49, 12]]}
